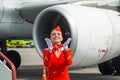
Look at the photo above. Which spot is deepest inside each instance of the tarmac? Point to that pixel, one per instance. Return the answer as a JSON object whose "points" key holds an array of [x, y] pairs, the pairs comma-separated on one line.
{"points": [[82, 74], [35, 73]]}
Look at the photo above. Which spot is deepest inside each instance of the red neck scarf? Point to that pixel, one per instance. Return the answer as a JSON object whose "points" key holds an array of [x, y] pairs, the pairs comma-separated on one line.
{"points": [[57, 46]]}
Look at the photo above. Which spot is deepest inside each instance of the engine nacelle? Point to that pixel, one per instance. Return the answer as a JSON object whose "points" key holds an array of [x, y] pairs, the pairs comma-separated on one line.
{"points": [[95, 32]]}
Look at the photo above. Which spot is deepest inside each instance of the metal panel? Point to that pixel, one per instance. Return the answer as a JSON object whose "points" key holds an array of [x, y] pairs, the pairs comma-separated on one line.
{"points": [[1, 9], [5, 72]]}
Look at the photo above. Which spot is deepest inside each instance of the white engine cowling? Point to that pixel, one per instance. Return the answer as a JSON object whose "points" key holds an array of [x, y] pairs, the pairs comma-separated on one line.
{"points": [[95, 32]]}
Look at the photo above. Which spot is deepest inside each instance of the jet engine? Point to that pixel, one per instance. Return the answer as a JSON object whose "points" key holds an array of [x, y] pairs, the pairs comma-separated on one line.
{"points": [[95, 32]]}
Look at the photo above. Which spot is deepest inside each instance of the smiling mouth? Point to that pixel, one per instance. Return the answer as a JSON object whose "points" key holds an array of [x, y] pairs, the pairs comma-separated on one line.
{"points": [[56, 38]]}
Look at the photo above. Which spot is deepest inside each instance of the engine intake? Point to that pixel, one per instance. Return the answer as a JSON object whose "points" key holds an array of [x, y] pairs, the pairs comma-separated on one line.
{"points": [[46, 21]]}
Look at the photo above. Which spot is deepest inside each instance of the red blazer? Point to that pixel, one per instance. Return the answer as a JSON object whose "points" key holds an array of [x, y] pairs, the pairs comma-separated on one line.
{"points": [[57, 66]]}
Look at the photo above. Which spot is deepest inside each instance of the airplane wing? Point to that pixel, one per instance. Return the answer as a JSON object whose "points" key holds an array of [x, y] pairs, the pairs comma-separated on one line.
{"points": [[29, 10], [109, 2]]}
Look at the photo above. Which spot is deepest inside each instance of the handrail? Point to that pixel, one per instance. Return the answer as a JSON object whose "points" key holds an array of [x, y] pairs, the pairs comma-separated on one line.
{"points": [[11, 65]]}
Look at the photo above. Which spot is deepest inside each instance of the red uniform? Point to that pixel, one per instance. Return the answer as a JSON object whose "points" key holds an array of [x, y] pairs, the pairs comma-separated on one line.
{"points": [[57, 66]]}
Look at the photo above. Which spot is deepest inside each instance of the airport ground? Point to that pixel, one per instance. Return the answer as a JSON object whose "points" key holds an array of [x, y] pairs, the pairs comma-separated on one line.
{"points": [[35, 73], [83, 74]]}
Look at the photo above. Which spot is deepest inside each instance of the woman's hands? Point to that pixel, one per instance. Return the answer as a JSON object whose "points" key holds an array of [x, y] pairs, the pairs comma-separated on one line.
{"points": [[65, 45], [49, 43]]}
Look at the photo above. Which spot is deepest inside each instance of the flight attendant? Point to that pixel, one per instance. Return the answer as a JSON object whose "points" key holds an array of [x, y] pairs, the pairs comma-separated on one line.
{"points": [[57, 57]]}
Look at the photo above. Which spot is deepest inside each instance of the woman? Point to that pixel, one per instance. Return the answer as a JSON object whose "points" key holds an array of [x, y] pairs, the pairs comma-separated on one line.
{"points": [[57, 57]]}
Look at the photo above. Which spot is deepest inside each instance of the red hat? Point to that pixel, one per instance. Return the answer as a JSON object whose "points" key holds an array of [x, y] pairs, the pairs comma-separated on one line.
{"points": [[57, 28]]}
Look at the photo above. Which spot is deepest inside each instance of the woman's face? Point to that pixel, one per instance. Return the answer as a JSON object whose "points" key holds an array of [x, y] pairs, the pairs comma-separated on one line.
{"points": [[56, 37]]}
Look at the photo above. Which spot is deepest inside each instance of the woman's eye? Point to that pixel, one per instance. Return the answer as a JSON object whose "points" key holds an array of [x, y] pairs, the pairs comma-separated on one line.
{"points": [[58, 33], [53, 34]]}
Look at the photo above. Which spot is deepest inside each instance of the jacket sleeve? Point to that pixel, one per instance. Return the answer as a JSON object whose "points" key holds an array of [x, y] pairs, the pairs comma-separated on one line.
{"points": [[68, 57], [46, 57]]}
